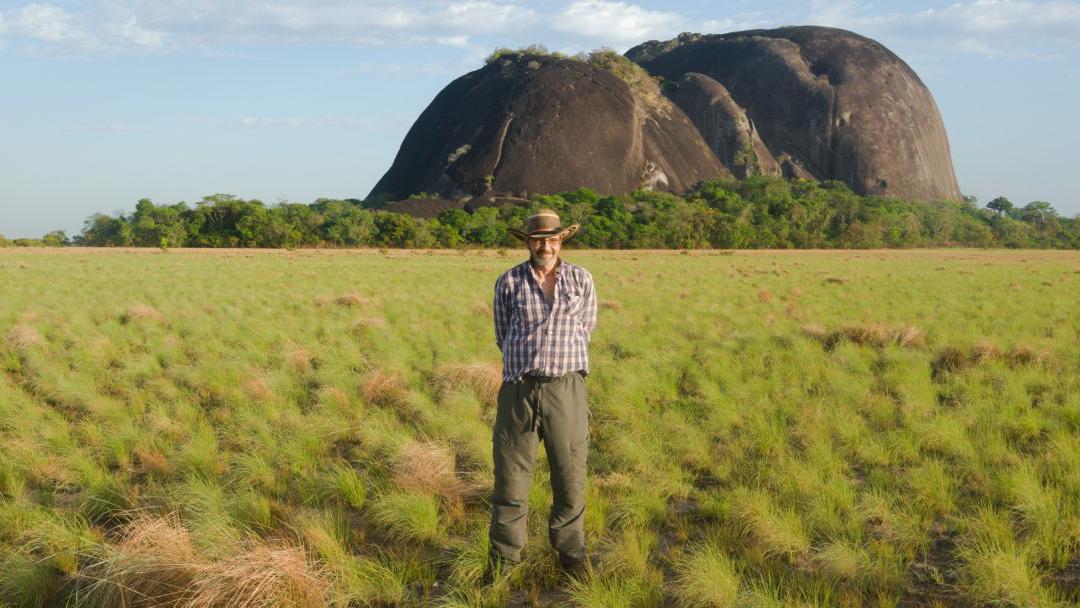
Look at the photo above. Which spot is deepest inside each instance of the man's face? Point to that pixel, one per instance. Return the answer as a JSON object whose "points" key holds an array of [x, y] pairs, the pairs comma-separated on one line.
{"points": [[544, 251]]}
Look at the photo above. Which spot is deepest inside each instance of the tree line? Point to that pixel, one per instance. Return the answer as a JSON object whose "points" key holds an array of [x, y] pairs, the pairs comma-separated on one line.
{"points": [[758, 212]]}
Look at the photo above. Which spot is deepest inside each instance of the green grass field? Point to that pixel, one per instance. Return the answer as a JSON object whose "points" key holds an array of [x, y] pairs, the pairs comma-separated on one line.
{"points": [[311, 428]]}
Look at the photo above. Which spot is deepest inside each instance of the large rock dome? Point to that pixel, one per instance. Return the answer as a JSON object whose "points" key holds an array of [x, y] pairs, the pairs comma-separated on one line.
{"points": [[811, 101], [529, 123]]}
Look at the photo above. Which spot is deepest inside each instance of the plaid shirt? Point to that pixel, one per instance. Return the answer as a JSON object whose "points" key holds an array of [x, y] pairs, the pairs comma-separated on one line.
{"points": [[534, 336]]}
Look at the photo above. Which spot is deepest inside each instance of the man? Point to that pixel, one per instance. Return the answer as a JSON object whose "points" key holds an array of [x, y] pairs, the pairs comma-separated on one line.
{"points": [[545, 312]]}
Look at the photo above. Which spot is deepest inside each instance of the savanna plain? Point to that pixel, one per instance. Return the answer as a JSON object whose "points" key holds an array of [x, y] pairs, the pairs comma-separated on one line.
{"points": [[305, 428]]}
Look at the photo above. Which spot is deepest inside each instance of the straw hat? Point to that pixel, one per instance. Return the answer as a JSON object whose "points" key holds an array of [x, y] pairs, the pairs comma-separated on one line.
{"points": [[545, 223]]}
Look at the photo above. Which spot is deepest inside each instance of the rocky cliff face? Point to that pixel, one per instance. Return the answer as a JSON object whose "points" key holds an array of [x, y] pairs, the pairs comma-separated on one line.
{"points": [[528, 123], [825, 103]]}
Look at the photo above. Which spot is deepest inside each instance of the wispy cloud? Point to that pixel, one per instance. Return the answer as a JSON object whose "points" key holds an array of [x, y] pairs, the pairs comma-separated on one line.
{"points": [[991, 28], [1030, 29], [616, 22], [135, 24]]}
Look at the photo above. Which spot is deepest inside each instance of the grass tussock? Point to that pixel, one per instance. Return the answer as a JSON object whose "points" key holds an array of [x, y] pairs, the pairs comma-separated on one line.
{"points": [[483, 379], [154, 565], [610, 304], [875, 335], [775, 533], [952, 359], [300, 360], [157, 565], [706, 578], [364, 325], [426, 468], [385, 389], [350, 299], [268, 574], [22, 336], [142, 312]]}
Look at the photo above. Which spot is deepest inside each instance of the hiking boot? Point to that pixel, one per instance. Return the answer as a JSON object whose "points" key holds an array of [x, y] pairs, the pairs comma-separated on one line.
{"points": [[498, 566], [575, 566]]}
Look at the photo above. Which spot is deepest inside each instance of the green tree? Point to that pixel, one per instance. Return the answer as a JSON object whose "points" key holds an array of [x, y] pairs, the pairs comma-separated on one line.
{"points": [[101, 230], [56, 238], [1001, 206]]}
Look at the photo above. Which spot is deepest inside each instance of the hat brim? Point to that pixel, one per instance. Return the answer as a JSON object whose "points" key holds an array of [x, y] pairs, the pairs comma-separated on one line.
{"points": [[565, 233]]}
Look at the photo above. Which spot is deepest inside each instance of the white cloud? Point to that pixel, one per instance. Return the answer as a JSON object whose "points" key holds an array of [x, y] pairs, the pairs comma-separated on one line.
{"points": [[615, 21], [991, 28], [1011, 28], [46, 23]]}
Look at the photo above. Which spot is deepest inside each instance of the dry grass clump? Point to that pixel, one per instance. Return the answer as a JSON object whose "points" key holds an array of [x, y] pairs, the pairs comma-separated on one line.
{"points": [[984, 350], [385, 389], [258, 387], [1025, 355], [482, 378], [299, 359], [264, 575], [876, 335], [610, 304], [142, 312], [483, 309], [23, 336], [156, 565], [151, 461], [952, 359], [764, 296], [350, 299], [365, 324], [426, 468]]}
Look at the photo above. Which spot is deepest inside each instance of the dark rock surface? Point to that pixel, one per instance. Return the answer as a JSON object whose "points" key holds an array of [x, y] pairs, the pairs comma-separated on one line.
{"points": [[825, 102], [727, 130], [530, 123]]}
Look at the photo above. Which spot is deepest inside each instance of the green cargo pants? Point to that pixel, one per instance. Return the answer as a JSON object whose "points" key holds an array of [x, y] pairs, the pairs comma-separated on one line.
{"points": [[554, 410]]}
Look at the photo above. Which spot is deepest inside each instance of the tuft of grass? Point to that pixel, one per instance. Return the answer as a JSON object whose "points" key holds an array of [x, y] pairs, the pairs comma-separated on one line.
{"points": [[299, 360], [426, 468], [351, 485], [265, 574], [996, 574], [875, 335], [142, 312], [407, 517], [613, 592], [154, 564], [385, 389], [705, 577], [22, 336], [350, 299], [483, 378], [776, 533]]}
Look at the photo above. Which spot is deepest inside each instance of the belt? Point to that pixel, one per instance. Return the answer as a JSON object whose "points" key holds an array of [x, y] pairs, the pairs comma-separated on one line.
{"points": [[542, 378]]}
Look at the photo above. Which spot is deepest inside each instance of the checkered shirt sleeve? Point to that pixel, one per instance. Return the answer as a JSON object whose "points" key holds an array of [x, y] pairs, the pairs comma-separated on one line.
{"points": [[538, 338]]}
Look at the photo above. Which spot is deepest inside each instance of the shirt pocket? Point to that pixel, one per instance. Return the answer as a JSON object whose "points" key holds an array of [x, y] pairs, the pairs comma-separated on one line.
{"points": [[572, 301]]}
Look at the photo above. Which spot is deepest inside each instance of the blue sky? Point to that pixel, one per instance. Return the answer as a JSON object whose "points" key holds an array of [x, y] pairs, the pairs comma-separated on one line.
{"points": [[105, 102]]}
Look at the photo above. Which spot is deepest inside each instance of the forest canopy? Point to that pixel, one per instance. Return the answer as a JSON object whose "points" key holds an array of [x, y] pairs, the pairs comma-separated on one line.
{"points": [[758, 212]]}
